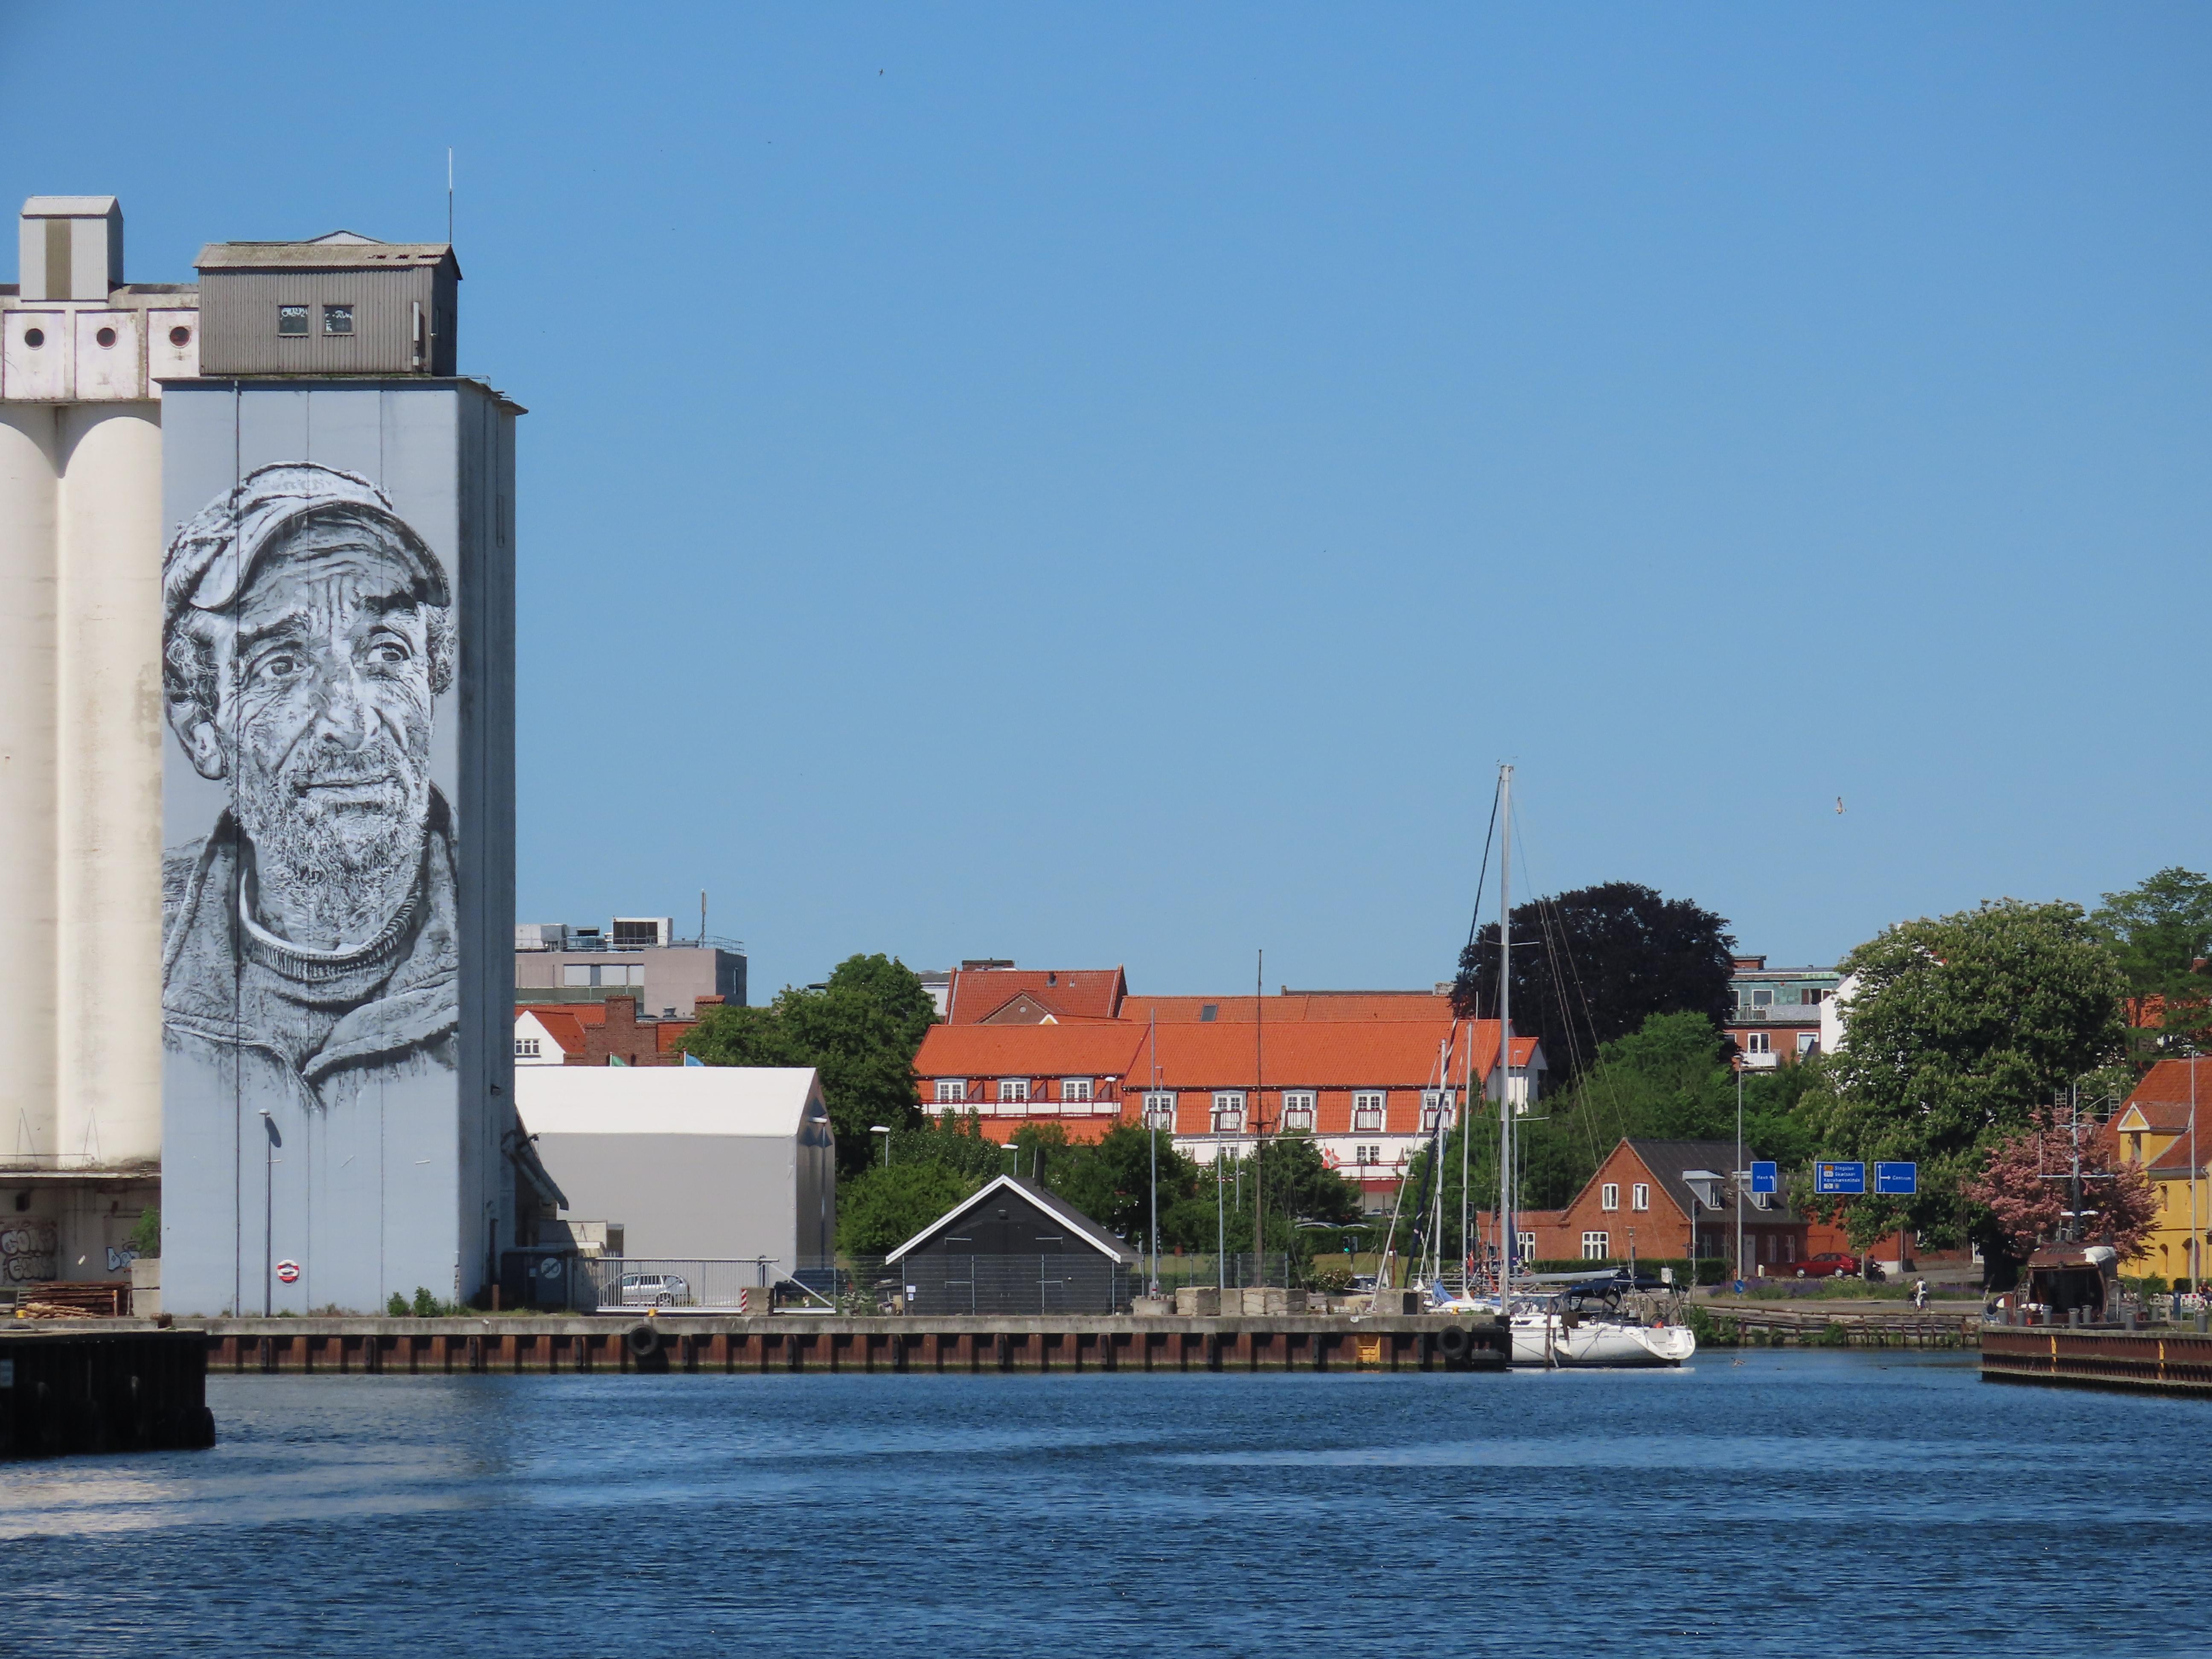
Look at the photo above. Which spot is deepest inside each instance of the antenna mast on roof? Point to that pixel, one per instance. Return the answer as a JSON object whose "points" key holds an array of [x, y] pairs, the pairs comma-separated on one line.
{"points": [[449, 195]]}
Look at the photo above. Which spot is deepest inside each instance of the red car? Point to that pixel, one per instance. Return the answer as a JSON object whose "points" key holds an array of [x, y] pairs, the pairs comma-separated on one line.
{"points": [[1829, 1264]]}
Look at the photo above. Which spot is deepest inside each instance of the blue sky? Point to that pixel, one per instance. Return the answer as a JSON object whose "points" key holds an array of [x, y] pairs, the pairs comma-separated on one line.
{"points": [[1109, 485]]}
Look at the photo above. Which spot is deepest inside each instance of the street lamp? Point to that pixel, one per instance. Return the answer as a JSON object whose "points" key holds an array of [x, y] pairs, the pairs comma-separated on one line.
{"points": [[885, 1130], [269, 1214]]}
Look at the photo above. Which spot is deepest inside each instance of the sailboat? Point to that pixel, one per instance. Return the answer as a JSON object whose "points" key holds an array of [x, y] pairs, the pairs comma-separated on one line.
{"points": [[1552, 1318]]}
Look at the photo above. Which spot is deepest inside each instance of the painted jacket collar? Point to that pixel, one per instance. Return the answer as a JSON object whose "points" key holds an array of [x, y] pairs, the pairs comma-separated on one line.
{"points": [[416, 1007]]}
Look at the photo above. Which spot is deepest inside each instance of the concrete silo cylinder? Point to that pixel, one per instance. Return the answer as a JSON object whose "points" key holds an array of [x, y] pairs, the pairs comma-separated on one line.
{"points": [[109, 773], [28, 898]]}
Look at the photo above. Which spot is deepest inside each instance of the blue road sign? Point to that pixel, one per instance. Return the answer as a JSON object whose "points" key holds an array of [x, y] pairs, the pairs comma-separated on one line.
{"points": [[1839, 1179], [1765, 1178], [1896, 1178]]}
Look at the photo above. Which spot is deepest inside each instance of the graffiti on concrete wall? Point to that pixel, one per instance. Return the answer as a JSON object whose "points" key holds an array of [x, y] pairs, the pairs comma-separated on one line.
{"points": [[29, 1252]]}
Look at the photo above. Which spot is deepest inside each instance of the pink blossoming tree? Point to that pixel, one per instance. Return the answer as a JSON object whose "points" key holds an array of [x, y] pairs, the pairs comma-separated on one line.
{"points": [[2024, 1186]]}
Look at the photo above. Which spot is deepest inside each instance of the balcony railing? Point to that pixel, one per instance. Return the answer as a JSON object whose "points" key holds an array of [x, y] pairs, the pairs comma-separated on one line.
{"points": [[1784, 1013]]}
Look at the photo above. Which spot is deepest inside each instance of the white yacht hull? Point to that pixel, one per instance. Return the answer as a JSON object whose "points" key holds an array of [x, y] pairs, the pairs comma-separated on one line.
{"points": [[1595, 1343]]}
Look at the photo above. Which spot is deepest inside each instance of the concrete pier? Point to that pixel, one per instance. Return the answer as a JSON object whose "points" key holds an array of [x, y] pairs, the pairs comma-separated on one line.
{"points": [[961, 1346], [68, 1386]]}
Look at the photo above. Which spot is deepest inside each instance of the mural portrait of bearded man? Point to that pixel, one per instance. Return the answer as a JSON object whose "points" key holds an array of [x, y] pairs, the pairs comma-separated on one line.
{"points": [[307, 634]]}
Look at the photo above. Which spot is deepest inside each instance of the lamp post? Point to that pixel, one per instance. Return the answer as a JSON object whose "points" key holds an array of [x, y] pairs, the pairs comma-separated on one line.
{"points": [[885, 1130], [269, 1215], [1735, 1177]]}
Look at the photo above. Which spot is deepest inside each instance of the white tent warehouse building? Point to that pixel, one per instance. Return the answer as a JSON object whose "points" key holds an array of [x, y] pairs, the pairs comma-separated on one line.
{"points": [[697, 1163]]}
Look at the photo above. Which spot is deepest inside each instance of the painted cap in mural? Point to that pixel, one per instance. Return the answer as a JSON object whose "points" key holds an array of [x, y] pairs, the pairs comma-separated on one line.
{"points": [[211, 560]]}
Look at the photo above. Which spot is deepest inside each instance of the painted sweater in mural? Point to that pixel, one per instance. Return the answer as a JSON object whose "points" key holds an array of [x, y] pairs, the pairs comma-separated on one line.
{"points": [[335, 1022]]}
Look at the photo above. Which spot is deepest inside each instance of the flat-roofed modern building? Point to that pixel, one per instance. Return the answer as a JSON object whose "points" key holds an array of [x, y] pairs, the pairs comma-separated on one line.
{"points": [[695, 1163], [1777, 1017], [636, 957]]}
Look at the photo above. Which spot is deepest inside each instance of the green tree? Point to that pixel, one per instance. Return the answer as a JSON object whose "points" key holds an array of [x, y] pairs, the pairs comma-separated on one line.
{"points": [[955, 1142], [1598, 962], [879, 1209], [2158, 933], [1111, 1182], [894, 988], [860, 1032], [1960, 1027], [1669, 1079]]}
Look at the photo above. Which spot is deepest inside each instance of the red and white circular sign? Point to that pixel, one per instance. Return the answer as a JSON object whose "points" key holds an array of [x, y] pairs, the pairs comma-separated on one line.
{"points": [[287, 1271]]}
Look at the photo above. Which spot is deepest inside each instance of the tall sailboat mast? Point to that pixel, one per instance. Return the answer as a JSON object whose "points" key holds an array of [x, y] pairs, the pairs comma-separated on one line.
{"points": [[1505, 1182]]}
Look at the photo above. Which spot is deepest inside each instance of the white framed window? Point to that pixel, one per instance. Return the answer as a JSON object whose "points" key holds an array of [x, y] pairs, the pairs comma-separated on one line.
{"points": [[1367, 1110], [1594, 1246], [1013, 1092], [1436, 1102], [1524, 1246], [1807, 1042], [1229, 1112], [1639, 1196], [1759, 1042], [526, 1048], [951, 1089], [1159, 1111], [1297, 1109], [1366, 1156], [1075, 1088], [1608, 1196]]}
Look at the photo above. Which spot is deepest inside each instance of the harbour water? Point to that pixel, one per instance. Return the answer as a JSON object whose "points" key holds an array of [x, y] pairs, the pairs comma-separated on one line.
{"points": [[1788, 1503]]}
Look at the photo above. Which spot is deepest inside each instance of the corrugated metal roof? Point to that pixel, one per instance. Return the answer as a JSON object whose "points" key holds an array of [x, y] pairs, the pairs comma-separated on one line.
{"points": [[356, 253]]}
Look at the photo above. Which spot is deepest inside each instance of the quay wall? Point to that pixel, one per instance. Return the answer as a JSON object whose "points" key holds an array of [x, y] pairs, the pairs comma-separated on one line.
{"points": [[102, 1386], [958, 1346], [2152, 1361]]}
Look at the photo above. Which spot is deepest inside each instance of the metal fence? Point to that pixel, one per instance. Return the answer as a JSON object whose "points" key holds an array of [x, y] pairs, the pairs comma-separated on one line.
{"points": [[564, 1281], [1234, 1272]]}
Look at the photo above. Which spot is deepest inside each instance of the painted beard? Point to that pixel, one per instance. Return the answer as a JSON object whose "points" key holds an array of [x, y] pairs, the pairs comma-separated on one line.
{"points": [[338, 835]]}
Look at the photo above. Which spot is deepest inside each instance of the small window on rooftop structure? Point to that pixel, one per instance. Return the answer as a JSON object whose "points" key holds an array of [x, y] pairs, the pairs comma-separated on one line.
{"points": [[1209, 1010], [337, 320], [291, 319]]}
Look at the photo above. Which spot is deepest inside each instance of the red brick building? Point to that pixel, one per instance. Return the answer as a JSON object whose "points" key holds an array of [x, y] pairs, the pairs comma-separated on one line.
{"points": [[598, 1034], [1650, 1196]]}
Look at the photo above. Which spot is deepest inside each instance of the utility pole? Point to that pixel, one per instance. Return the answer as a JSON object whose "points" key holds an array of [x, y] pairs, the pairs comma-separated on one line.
{"points": [[2196, 1266], [1152, 1123], [1259, 1120]]}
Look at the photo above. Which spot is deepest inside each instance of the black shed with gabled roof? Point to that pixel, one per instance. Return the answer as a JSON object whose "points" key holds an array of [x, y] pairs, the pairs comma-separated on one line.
{"points": [[1014, 1247]]}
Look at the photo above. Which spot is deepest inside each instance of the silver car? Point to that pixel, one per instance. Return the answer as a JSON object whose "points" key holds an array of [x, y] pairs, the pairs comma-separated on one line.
{"points": [[653, 1290]]}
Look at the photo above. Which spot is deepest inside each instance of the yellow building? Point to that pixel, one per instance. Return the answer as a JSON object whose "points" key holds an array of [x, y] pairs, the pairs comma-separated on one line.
{"points": [[2160, 1129]]}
